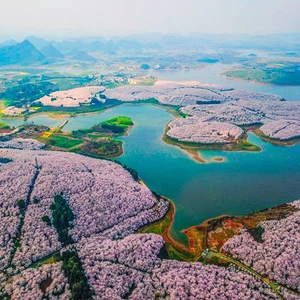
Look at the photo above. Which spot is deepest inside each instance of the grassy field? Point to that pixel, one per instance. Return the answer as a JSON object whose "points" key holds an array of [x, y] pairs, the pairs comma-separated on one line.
{"points": [[94, 136], [65, 142], [117, 125], [4, 126], [2, 105], [124, 122], [67, 83], [280, 76]]}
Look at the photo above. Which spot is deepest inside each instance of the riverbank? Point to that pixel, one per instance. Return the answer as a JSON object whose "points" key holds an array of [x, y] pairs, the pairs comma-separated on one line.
{"points": [[57, 114], [223, 75], [192, 148], [251, 76], [52, 115], [214, 232], [175, 249]]}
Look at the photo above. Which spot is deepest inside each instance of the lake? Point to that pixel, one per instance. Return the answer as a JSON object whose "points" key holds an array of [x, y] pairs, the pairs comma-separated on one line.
{"points": [[211, 74], [243, 183]]}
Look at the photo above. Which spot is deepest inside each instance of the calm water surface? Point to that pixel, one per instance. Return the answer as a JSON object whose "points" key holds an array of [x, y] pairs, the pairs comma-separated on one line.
{"points": [[211, 74], [243, 183]]}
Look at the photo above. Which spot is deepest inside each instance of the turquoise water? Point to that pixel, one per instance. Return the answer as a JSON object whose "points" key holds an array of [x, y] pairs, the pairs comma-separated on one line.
{"points": [[243, 183], [211, 74]]}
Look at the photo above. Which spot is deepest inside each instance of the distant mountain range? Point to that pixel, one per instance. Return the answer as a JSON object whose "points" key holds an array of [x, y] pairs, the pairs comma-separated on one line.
{"points": [[8, 43], [25, 54], [40, 51], [38, 42], [36, 50]]}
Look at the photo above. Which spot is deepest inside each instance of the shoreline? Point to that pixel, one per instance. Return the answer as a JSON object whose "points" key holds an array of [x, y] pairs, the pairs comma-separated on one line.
{"points": [[246, 80], [193, 148], [53, 115], [223, 75], [196, 235], [263, 137], [163, 227], [193, 152], [58, 114], [49, 114], [205, 235], [166, 232]]}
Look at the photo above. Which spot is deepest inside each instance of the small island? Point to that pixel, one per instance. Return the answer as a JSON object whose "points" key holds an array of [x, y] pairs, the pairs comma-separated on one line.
{"points": [[224, 126], [192, 138]]}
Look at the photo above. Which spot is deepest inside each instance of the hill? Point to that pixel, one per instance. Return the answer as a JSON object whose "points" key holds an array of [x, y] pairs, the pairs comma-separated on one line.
{"points": [[82, 56], [23, 53], [37, 42], [9, 42], [51, 53], [129, 44]]}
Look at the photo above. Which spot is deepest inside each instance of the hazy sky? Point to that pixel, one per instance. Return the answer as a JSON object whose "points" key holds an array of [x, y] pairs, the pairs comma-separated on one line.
{"points": [[119, 17]]}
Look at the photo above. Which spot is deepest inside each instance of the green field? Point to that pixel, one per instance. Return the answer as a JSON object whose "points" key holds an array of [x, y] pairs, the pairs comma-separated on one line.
{"points": [[113, 127], [117, 125], [25, 93], [3, 126], [103, 147], [65, 142], [119, 121], [280, 76]]}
